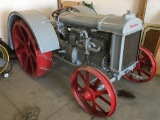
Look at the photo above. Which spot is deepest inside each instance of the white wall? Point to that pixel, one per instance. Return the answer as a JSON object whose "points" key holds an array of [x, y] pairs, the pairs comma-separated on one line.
{"points": [[153, 12], [6, 6], [118, 7]]}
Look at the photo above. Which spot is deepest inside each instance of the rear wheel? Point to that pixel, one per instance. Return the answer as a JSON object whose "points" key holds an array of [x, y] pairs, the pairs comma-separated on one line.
{"points": [[33, 61], [145, 67], [85, 84]]}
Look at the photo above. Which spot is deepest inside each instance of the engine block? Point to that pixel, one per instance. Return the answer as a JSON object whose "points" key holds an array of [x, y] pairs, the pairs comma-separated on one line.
{"points": [[106, 39]]}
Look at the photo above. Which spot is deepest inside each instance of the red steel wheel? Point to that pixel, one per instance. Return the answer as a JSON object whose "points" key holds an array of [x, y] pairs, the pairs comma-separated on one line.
{"points": [[146, 67], [85, 82], [33, 61]]}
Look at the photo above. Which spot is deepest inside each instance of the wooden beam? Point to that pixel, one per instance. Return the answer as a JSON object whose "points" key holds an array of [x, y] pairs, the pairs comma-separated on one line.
{"points": [[142, 9], [157, 47], [70, 3], [157, 58], [59, 3]]}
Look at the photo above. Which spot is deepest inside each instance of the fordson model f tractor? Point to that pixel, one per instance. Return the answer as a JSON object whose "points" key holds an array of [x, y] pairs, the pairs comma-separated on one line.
{"points": [[103, 48]]}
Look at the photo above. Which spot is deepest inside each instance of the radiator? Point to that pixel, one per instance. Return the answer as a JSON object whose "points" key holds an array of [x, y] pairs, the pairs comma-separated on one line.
{"points": [[124, 50], [131, 47]]}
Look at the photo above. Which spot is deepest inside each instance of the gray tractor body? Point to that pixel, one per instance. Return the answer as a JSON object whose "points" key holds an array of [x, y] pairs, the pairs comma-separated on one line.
{"points": [[125, 31], [119, 35]]}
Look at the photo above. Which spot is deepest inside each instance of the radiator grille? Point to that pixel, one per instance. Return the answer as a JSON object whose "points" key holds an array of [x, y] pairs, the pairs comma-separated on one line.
{"points": [[131, 48]]}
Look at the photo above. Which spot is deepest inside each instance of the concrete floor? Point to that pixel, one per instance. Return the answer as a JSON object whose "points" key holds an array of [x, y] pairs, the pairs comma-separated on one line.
{"points": [[52, 94]]}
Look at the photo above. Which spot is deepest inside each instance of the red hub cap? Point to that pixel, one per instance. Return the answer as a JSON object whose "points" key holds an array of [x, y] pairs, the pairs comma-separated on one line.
{"points": [[33, 61], [89, 94], [145, 68], [85, 83]]}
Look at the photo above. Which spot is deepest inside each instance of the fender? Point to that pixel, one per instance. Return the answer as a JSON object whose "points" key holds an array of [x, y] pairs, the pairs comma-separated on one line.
{"points": [[45, 35]]}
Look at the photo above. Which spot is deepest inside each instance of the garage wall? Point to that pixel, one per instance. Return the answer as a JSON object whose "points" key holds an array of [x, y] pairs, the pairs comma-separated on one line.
{"points": [[119, 7], [6, 6], [153, 12]]}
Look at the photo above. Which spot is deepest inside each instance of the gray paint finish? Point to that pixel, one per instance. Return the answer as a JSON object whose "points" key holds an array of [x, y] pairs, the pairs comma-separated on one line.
{"points": [[120, 25], [115, 52], [43, 31], [84, 9], [80, 19]]}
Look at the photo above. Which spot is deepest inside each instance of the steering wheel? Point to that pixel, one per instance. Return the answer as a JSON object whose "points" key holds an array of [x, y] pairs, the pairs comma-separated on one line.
{"points": [[57, 12]]}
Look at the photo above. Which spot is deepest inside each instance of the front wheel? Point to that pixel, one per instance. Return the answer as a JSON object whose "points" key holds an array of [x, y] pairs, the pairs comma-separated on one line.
{"points": [[85, 84], [145, 67]]}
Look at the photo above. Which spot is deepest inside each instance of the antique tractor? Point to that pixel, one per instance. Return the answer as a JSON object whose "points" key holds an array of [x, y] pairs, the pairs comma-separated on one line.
{"points": [[104, 48]]}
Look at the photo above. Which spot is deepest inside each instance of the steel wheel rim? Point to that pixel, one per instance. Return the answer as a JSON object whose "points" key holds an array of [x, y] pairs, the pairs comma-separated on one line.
{"points": [[4, 56], [146, 60], [89, 93], [27, 50]]}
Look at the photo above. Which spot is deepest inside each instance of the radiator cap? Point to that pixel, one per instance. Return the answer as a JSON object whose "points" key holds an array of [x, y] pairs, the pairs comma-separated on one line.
{"points": [[129, 15]]}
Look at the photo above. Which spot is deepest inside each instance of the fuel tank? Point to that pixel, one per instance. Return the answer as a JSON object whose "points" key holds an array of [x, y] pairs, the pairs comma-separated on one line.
{"points": [[121, 25]]}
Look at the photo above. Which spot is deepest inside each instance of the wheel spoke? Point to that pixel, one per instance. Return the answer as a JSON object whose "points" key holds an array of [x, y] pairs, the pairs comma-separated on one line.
{"points": [[80, 91], [105, 100], [145, 72], [85, 81], [19, 40], [143, 58], [22, 34], [97, 93], [29, 42], [96, 104], [146, 64], [20, 50], [96, 84], [139, 73], [33, 56], [81, 97], [76, 86], [79, 86]]}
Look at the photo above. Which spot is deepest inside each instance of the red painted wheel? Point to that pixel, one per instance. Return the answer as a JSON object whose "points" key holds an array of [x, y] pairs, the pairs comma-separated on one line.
{"points": [[145, 68], [99, 103], [33, 61]]}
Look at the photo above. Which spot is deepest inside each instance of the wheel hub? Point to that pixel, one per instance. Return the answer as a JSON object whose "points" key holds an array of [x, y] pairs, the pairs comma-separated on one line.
{"points": [[89, 94]]}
